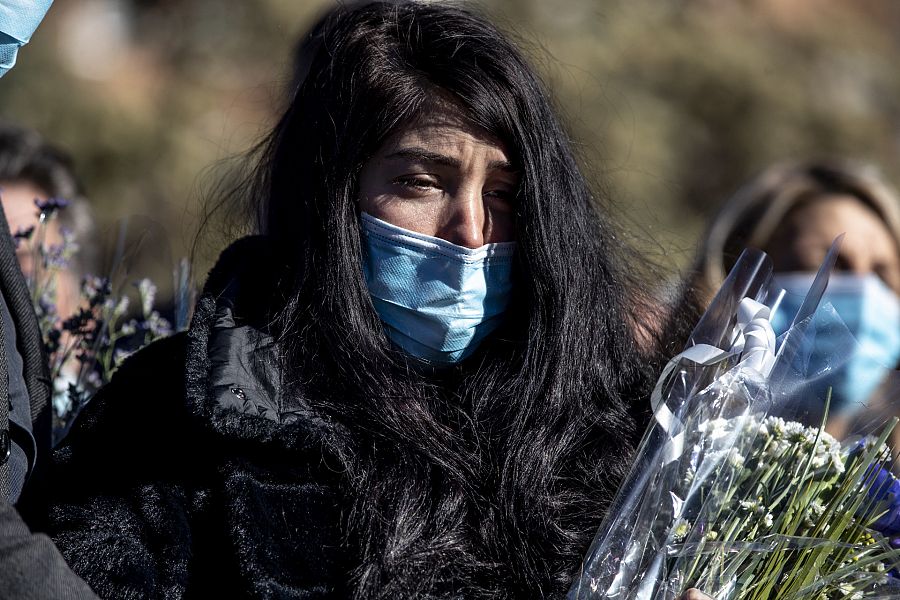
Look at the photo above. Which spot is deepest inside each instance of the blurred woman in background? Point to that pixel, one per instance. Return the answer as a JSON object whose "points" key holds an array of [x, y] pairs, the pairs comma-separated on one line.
{"points": [[794, 211], [420, 380], [33, 170]]}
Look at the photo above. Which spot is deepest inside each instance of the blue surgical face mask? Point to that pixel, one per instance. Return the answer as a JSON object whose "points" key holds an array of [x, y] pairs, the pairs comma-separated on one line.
{"points": [[871, 312], [437, 300], [18, 20]]}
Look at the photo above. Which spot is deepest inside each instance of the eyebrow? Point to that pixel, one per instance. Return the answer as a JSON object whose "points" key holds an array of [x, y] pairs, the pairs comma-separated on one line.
{"points": [[415, 153]]}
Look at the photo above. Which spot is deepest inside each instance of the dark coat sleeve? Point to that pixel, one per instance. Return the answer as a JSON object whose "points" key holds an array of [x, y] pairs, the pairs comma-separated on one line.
{"points": [[31, 568], [119, 511]]}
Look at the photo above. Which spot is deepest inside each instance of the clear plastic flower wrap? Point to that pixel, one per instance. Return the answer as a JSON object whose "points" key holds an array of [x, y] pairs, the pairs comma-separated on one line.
{"points": [[747, 485]]}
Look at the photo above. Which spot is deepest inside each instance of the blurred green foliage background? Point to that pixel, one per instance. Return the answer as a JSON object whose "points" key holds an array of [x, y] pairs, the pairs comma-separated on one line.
{"points": [[673, 103]]}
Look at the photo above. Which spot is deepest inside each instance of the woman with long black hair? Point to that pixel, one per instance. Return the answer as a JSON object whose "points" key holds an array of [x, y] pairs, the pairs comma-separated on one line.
{"points": [[421, 379]]}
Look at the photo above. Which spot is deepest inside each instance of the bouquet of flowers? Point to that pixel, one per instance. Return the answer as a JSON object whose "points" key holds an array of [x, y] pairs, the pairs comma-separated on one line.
{"points": [[737, 489]]}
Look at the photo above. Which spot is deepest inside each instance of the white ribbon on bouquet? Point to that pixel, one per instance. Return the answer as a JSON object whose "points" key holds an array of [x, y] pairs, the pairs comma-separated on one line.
{"points": [[752, 340]]}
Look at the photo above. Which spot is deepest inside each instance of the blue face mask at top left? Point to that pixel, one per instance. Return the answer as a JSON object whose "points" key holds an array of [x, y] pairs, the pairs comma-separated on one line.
{"points": [[18, 20], [437, 300], [871, 312]]}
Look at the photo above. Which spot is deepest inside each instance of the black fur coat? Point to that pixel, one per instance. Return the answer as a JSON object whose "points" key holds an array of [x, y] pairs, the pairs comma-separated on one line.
{"points": [[192, 475], [189, 476]]}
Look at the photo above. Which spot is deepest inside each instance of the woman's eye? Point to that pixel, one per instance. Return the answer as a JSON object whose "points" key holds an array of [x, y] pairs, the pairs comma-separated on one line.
{"points": [[501, 194], [419, 183]]}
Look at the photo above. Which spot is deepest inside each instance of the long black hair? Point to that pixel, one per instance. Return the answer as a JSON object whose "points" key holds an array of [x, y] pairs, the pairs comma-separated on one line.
{"points": [[487, 479]]}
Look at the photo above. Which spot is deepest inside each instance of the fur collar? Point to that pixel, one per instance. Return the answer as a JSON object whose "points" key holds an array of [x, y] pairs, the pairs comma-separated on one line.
{"points": [[232, 377]]}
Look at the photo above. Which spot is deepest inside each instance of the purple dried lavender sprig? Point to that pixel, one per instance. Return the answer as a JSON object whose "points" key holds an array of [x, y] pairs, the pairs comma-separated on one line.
{"points": [[93, 378], [129, 328], [78, 322], [57, 257], [51, 343], [120, 354], [22, 234], [147, 294], [46, 305], [158, 326], [78, 396], [96, 289], [49, 206]]}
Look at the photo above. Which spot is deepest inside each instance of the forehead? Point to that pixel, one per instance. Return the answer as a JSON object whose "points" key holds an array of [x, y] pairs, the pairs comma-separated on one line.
{"points": [[833, 214], [445, 130], [837, 210], [21, 188]]}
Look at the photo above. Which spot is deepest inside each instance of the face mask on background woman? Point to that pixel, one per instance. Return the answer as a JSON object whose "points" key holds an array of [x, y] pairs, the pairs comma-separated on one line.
{"points": [[871, 312]]}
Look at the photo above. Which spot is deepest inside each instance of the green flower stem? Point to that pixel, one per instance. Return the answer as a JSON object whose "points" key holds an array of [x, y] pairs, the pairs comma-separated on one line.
{"points": [[821, 547]]}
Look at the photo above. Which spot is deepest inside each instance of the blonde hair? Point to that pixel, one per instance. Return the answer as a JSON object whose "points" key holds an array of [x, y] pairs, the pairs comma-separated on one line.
{"points": [[754, 212]]}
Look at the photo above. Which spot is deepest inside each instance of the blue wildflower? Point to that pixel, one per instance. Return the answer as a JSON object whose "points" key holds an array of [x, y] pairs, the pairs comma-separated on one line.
{"points": [[885, 492]]}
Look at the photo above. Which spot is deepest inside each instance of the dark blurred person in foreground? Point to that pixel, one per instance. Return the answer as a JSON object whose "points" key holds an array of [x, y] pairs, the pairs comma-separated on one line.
{"points": [[30, 566], [794, 211]]}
